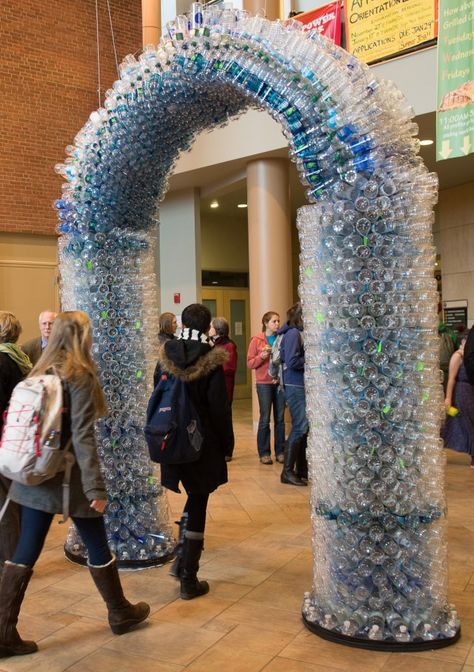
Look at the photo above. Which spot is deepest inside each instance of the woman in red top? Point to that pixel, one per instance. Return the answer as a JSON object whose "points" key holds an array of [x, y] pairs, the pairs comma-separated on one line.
{"points": [[219, 332], [269, 391]]}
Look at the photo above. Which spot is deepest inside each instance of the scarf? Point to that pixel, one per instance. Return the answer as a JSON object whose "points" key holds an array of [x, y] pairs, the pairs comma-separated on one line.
{"points": [[18, 356], [194, 335]]}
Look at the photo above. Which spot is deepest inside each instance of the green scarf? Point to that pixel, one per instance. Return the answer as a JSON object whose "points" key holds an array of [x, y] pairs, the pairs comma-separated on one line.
{"points": [[18, 356]]}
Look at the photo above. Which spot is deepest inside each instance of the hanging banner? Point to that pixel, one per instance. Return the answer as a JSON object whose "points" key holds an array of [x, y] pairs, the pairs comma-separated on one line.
{"points": [[455, 102], [378, 29], [326, 20]]}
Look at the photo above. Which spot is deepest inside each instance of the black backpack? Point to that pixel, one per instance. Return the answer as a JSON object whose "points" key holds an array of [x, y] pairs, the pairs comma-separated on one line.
{"points": [[173, 429]]}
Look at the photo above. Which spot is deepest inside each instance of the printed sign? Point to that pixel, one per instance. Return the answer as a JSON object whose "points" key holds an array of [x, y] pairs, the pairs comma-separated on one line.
{"points": [[455, 103], [377, 29], [326, 20]]}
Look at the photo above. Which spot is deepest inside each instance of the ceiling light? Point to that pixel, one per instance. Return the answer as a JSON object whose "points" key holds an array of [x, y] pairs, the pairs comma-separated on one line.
{"points": [[242, 205], [214, 204], [426, 142]]}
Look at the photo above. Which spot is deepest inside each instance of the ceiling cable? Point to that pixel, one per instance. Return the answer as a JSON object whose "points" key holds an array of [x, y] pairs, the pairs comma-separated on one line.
{"points": [[113, 39], [98, 48]]}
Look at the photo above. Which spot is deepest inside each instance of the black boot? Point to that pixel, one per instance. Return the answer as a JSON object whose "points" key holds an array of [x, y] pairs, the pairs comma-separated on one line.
{"points": [[191, 587], [15, 579], [287, 475], [176, 564], [301, 469], [122, 614]]}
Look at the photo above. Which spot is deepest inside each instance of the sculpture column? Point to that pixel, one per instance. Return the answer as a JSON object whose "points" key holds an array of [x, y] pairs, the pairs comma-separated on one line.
{"points": [[268, 212]]}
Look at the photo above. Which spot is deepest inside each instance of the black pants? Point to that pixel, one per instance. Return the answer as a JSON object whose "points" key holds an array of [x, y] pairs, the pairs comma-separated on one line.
{"points": [[196, 508]]}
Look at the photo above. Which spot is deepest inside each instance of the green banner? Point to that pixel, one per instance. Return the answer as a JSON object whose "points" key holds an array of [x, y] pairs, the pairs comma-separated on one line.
{"points": [[455, 98]]}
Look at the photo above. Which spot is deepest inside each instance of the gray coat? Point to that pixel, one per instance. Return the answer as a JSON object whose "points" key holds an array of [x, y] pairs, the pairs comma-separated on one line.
{"points": [[86, 480]]}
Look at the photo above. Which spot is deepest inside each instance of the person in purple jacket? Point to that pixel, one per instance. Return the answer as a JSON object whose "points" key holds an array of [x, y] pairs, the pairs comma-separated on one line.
{"points": [[292, 357]]}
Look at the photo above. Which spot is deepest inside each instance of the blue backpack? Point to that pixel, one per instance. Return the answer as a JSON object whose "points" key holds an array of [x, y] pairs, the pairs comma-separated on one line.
{"points": [[173, 429]]}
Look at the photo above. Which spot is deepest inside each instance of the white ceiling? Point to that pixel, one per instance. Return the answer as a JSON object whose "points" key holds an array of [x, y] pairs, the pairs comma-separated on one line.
{"points": [[225, 182]]}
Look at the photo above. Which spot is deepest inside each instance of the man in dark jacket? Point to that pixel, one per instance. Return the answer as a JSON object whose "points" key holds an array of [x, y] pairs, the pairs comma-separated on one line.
{"points": [[191, 358], [35, 346]]}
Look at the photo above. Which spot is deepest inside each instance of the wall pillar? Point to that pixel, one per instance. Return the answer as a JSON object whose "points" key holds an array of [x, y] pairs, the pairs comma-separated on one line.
{"points": [[271, 8], [151, 21], [268, 212], [179, 250]]}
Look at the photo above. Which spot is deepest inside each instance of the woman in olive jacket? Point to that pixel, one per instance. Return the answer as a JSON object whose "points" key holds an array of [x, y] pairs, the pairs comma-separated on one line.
{"points": [[68, 355], [191, 358]]}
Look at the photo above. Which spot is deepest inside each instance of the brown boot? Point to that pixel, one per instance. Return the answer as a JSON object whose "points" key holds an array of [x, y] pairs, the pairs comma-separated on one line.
{"points": [[122, 615], [15, 579]]}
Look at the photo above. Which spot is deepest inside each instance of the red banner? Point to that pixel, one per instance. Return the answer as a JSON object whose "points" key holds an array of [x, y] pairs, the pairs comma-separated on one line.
{"points": [[326, 20]]}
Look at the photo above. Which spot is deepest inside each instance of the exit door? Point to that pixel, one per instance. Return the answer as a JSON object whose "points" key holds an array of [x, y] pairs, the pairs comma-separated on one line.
{"points": [[233, 304]]}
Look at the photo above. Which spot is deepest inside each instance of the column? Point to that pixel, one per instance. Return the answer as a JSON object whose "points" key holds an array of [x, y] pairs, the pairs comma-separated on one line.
{"points": [[271, 8], [151, 21], [268, 212], [179, 250]]}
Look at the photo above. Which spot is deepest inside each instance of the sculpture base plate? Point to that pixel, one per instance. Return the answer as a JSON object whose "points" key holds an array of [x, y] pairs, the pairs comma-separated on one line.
{"points": [[125, 564], [375, 645]]}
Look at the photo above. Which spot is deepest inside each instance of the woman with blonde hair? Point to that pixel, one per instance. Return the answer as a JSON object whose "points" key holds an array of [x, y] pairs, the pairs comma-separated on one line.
{"points": [[68, 354]]}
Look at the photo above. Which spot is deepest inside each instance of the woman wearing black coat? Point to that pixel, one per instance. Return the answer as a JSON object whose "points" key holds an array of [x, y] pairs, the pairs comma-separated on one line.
{"points": [[14, 366], [192, 359]]}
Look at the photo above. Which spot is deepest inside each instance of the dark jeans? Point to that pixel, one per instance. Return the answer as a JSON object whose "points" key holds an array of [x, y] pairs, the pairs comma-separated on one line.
{"points": [[270, 395], [34, 528], [9, 525], [196, 508], [295, 398]]}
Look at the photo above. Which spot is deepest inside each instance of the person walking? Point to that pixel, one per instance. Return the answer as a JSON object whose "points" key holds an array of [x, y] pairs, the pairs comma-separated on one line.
{"points": [[292, 358], [219, 333], [191, 358], [14, 366], [269, 392], [69, 356], [458, 429]]}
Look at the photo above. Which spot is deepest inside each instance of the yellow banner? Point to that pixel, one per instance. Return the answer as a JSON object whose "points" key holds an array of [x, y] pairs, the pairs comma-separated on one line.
{"points": [[377, 29]]}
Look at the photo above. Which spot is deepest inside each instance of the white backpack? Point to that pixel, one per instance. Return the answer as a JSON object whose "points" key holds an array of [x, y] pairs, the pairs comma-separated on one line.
{"points": [[30, 448]]}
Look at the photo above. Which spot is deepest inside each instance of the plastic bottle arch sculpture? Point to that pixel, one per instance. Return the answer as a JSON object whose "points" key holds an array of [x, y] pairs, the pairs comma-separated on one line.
{"points": [[373, 393]]}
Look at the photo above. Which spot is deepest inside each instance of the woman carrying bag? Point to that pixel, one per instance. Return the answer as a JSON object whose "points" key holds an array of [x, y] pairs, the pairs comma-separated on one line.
{"points": [[68, 355]]}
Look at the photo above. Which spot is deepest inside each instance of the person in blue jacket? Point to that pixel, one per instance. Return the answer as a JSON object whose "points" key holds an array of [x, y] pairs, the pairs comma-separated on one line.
{"points": [[292, 357]]}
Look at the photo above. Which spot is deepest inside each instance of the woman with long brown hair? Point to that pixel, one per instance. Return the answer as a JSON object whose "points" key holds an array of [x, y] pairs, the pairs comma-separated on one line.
{"points": [[68, 354]]}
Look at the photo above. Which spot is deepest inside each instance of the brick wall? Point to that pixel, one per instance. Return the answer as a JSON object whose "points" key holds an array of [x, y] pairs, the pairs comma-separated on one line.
{"points": [[48, 88]]}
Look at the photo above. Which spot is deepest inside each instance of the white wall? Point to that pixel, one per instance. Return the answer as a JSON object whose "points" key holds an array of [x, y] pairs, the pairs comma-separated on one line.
{"points": [[179, 250], [455, 239]]}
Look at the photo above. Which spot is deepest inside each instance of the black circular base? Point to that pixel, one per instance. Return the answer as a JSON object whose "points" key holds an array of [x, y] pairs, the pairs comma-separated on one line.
{"points": [[338, 638], [125, 564]]}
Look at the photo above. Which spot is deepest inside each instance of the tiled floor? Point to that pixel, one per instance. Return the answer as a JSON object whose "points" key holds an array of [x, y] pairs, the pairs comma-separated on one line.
{"points": [[258, 562]]}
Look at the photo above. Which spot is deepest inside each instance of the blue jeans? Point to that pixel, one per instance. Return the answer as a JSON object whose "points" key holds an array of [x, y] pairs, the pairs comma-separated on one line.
{"points": [[270, 395], [34, 528], [295, 398]]}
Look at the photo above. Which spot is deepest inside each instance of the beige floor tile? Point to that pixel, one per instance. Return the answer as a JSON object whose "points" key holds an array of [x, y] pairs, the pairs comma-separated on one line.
{"points": [[470, 656], [309, 648], [221, 657], [106, 660], [62, 649], [167, 642], [401, 662], [257, 639], [254, 614], [285, 665], [196, 612]]}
